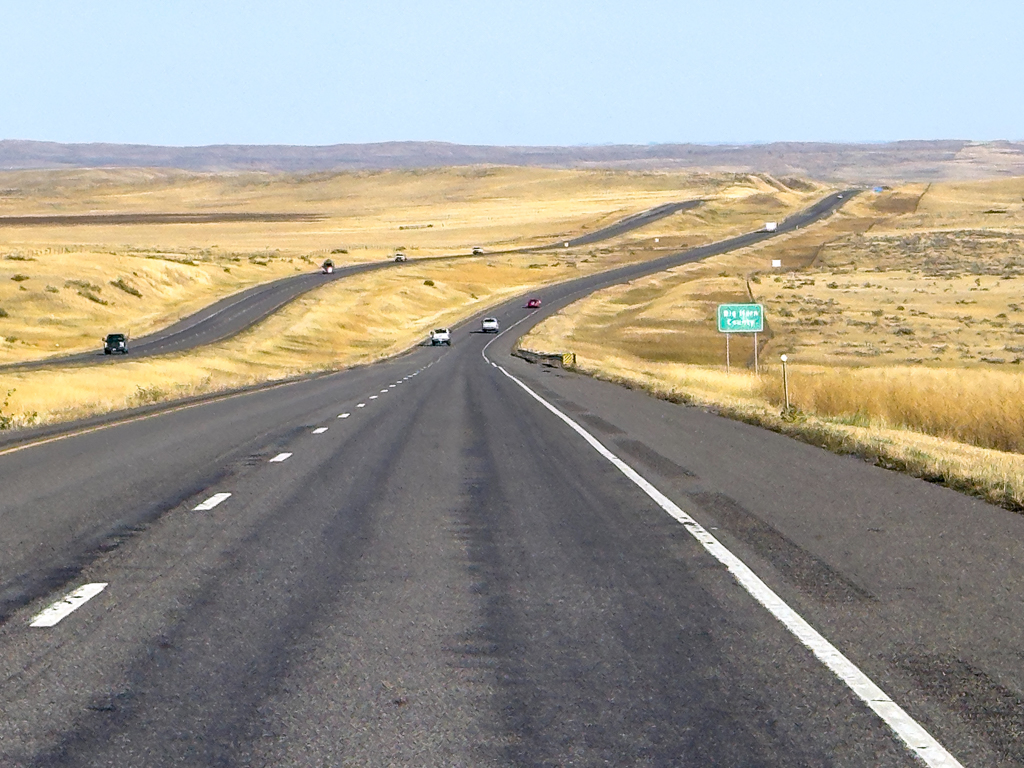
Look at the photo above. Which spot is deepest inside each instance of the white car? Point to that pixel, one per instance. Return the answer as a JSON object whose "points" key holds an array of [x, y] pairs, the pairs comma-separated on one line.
{"points": [[489, 325], [400, 257], [440, 336]]}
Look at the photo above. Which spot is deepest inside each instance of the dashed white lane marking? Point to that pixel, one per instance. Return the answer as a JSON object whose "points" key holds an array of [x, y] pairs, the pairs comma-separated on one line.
{"points": [[344, 415], [281, 457], [361, 405], [392, 386], [320, 430], [917, 739], [67, 604], [383, 391], [373, 397], [211, 502]]}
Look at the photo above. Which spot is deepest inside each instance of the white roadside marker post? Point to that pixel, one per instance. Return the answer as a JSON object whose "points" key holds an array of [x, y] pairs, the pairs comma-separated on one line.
{"points": [[785, 381]]}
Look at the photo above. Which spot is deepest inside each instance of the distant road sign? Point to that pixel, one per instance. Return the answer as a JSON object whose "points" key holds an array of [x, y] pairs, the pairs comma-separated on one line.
{"points": [[740, 318]]}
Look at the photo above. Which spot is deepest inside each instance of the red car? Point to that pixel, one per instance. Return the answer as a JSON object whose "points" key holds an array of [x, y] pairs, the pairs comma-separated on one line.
{"points": [[533, 304]]}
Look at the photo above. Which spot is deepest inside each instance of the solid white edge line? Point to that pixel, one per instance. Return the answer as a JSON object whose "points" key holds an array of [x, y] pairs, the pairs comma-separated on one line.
{"points": [[59, 610], [211, 502], [917, 739], [281, 457], [319, 430]]}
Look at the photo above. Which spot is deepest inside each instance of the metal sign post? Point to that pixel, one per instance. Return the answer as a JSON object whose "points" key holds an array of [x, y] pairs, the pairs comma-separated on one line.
{"points": [[740, 318]]}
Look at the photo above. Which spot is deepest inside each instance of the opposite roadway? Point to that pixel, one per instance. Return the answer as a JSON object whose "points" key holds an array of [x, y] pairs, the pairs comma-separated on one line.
{"points": [[456, 558]]}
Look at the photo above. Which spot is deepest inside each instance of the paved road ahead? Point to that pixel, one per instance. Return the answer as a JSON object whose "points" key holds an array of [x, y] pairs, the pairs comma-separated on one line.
{"points": [[236, 313], [420, 564]]}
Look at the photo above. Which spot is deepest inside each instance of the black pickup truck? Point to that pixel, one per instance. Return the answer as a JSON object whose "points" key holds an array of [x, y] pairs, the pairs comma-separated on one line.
{"points": [[115, 342]]}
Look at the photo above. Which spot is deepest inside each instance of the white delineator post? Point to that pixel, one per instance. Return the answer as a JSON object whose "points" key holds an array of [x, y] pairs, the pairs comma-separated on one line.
{"points": [[785, 381]]}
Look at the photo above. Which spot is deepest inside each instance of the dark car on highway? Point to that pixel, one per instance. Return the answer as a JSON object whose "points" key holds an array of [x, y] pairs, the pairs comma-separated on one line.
{"points": [[115, 342]]}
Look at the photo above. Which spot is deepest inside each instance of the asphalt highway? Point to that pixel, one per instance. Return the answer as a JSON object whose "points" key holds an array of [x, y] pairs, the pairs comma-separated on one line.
{"points": [[456, 558], [241, 311], [627, 224]]}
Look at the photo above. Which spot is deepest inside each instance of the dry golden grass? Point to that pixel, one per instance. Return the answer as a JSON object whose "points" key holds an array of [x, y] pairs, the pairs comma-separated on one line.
{"points": [[979, 407], [902, 293], [63, 298], [996, 205], [69, 301], [359, 320], [902, 320]]}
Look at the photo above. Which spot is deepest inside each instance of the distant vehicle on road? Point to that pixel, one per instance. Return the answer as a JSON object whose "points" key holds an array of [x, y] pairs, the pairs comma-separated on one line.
{"points": [[115, 342], [533, 304], [440, 336], [771, 226], [489, 325], [400, 257], [327, 267], [478, 251]]}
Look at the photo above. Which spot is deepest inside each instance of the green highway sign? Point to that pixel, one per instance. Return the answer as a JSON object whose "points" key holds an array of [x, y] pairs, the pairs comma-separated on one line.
{"points": [[740, 318]]}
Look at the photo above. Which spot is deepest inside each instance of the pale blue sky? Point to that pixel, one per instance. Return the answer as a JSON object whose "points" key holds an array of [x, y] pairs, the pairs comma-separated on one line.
{"points": [[527, 72]]}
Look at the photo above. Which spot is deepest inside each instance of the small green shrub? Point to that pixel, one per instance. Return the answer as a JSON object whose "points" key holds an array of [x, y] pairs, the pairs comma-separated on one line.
{"points": [[4, 313], [20, 278], [428, 282]]}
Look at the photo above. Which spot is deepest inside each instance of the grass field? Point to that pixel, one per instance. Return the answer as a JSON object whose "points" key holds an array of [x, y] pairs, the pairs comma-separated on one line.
{"points": [[64, 287], [902, 316], [353, 321]]}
